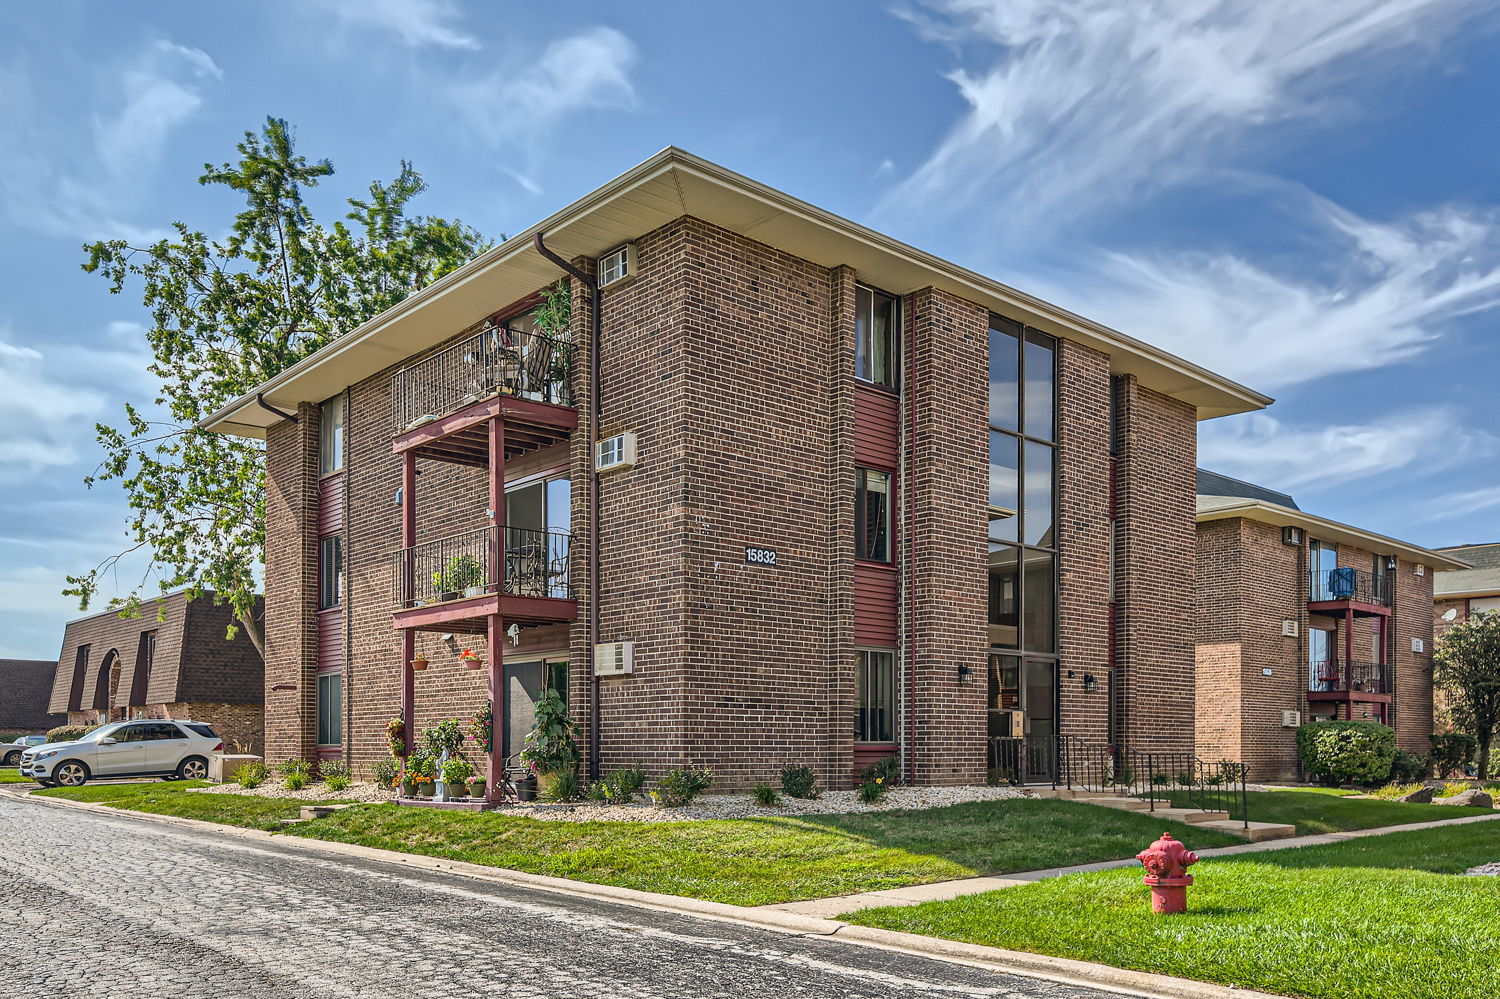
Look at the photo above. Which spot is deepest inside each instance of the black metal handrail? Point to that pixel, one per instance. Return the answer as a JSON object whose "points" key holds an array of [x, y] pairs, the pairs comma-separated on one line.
{"points": [[1347, 583], [1349, 675], [493, 361], [534, 564]]}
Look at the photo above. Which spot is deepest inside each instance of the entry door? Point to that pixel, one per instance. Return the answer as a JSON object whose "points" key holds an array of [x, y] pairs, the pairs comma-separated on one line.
{"points": [[524, 684], [126, 756], [1039, 700]]}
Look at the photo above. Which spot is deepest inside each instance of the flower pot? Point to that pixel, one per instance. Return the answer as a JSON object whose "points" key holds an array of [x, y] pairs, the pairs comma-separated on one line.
{"points": [[426, 789], [473, 663], [474, 591], [526, 789], [458, 789], [419, 663], [477, 789], [408, 790], [447, 595]]}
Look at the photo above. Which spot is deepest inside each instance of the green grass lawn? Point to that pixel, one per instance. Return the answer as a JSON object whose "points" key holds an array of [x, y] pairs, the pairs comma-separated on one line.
{"points": [[1319, 810], [13, 776], [763, 861], [1372, 917], [163, 798]]}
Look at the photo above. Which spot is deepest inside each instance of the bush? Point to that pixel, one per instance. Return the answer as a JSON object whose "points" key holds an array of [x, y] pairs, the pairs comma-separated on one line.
{"points": [[765, 796], [1393, 791], [10, 736], [1409, 767], [69, 733], [251, 775], [682, 785], [872, 791], [1453, 753], [563, 786], [620, 787], [1453, 787], [335, 774], [457, 770], [386, 771], [799, 782], [295, 775], [887, 770], [1347, 752]]}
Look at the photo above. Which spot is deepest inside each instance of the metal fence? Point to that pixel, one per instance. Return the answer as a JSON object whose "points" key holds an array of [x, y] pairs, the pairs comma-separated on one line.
{"points": [[1349, 584], [535, 564], [1351, 675], [496, 360]]}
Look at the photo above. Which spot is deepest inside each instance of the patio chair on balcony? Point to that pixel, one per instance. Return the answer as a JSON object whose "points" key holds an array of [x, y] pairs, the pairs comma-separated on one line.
{"points": [[1341, 583], [538, 366]]}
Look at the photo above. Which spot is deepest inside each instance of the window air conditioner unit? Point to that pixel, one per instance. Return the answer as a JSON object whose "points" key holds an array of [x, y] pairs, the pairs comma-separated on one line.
{"points": [[1291, 719], [618, 266], [615, 452], [614, 659], [1291, 535]]}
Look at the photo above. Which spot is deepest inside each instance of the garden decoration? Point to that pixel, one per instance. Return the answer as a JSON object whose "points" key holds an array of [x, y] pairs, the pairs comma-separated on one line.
{"points": [[482, 728], [1166, 862], [395, 735]]}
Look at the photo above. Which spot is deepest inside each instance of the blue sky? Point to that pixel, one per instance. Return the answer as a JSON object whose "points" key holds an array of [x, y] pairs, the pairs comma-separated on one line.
{"points": [[1303, 196]]}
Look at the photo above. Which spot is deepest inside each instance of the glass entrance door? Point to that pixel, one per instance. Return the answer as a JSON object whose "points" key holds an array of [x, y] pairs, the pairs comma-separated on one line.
{"points": [[525, 682], [1023, 713]]}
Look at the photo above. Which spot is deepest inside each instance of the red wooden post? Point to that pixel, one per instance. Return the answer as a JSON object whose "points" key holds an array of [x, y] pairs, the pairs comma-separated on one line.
{"points": [[1349, 650], [495, 623], [408, 593]]}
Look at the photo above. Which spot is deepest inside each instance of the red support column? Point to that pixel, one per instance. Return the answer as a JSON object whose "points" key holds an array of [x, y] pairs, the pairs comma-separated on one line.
{"points": [[408, 636], [1349, 650], [495, 624]]}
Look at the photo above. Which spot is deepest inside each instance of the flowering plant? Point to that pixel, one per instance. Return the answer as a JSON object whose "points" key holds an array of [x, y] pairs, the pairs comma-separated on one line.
{"points": [[481, 727], [420, 769], [468, 654], [395, 734]]}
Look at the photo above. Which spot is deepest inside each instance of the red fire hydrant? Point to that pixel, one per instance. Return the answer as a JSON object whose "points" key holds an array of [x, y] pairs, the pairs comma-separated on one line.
{"points": [[1166, 862]]}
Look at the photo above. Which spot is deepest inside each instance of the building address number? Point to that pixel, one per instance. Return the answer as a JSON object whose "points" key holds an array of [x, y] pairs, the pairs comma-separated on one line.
{"points": [[760, 556]]}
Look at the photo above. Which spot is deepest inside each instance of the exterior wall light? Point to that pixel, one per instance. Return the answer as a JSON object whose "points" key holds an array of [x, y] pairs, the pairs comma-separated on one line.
{"points": [[964, 672], [1090, 682]]}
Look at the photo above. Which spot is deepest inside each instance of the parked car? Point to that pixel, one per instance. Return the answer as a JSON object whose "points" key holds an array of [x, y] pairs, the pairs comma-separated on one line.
{"points": [[10, 752], [171, 750]]}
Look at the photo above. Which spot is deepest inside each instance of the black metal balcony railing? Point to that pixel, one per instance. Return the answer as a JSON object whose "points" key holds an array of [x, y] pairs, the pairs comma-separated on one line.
{"points": [[1350, 676], [1349, 584], [496, 360], [535, 564]]}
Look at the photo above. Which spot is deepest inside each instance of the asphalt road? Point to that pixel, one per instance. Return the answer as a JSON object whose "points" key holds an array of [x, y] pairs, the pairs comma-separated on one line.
{"points": [[100, 906]]}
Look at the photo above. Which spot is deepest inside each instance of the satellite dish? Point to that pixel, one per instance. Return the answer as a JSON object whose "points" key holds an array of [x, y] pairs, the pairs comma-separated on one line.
{"points": [[1450, 614]]}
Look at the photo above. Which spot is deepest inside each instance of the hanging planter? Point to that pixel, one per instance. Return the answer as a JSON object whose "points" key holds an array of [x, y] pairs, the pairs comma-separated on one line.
{"points": [[419, 663], [471, 659]]}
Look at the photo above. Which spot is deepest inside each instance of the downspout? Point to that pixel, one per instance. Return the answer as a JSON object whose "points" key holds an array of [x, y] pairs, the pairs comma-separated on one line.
{"points": [[260, 400], [591, 438], [908, 597]]}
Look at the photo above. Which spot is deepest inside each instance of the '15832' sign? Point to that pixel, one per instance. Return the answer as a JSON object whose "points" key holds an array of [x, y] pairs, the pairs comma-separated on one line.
{"points": [[760, 556]]}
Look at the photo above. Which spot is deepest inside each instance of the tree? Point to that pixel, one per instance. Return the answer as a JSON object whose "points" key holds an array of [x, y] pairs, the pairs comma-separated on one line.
{"points": [[1467, 666], [226, 317]]}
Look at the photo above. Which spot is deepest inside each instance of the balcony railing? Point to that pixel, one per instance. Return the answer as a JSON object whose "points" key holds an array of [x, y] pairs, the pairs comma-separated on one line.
{"points": [[496, 360], [1349, 676], [535, 564], [1349, 584]]}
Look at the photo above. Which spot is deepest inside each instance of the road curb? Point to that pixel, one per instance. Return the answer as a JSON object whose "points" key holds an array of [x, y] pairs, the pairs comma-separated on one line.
{"points": [[1063, 971]]}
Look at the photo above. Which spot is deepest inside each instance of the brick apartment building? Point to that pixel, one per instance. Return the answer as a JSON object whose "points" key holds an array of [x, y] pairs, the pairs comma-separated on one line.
{"points": [[1302, 618], [1457, 593], [737, 510], [25, 687], [172, 661]]}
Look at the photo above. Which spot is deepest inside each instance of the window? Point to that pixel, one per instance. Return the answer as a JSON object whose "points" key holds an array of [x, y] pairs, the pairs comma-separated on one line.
{"points": [[872, 515], [158, 731], [331, 709], [204, 730], [331, 436], [330, 571], [877, 336], [145, 658], [875, 696]]}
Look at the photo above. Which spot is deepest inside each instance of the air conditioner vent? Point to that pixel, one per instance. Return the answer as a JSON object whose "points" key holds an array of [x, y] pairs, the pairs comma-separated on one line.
{"points": [[614, 659], [1291, 719], [1289, 627]]}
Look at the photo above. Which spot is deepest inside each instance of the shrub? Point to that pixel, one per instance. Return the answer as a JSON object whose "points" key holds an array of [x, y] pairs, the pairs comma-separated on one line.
{"points": [[564, 786], [1454, 787], [1453, 753], [1395, 790], [765, 796], [1347, 752], [457, 770], [69, 733], [251, 775], [887, 770], [10, 736], [295, 775], [872, 791], [1409, 767], [620, 787], [682, 785], [799, 782], [386, 772], [336, 775]]}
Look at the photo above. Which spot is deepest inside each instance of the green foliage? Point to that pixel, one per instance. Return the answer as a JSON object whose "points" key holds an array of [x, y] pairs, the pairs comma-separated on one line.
{"points": [[560, 786], [462, 572], [457, 770], [1453, 753], [482, 728], [395, 735], [69, 733], [681, 785], [887, 770], [251, 775], [295, 774], [1409, 767], [335, 774], [550, 746], [1467, 666], [872, 792], [1395, 790], [10, 736], [386, 772], [799, 782], [765, 795], [555, 314], [420, 768], [447, 736], [620, 787], [226, 315], [1454, 787], [1347, 752]]}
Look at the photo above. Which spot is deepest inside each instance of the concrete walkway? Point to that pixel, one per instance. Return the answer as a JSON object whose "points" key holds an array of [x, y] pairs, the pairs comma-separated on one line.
{"points": [[828, 908]]}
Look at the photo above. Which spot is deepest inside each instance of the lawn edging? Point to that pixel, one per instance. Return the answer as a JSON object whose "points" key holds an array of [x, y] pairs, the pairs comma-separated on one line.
{"points": [[1056, 969]]}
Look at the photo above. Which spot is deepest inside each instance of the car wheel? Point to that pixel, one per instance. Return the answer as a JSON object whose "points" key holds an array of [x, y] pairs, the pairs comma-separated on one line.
{"points": [[70, 773], [12, 758], [193, 768]]}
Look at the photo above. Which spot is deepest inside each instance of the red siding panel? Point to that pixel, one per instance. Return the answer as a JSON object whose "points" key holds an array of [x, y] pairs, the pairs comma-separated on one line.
{"points": [[330, 505], [331, 638], [877, 444], [877, 437], [875, 589]]}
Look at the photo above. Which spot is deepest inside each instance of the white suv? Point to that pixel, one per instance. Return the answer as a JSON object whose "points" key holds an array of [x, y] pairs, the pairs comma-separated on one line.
{"points": [[170, 750]]}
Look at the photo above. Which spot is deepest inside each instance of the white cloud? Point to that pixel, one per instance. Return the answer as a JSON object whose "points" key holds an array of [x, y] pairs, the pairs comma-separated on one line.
{"points": [[1462, 503], [418, 23], [40, 416], [1093, 102], [1260, 448], [158, 93], [586, 71]]}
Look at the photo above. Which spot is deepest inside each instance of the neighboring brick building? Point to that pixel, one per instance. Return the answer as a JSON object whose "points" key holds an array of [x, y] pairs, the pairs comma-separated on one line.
{"points": [[1457, 593], [173, 660], [1302, 618], [25, 687], [791, 552]]}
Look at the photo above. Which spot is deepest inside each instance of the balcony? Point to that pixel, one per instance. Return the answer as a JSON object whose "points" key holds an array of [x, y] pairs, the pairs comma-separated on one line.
{"points": [[454, 583], [441, 404], [1348, 590], [1347, 679]]}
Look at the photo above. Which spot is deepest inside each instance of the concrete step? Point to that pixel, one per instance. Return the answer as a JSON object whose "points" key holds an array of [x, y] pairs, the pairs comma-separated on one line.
{"points": [[1192, 816], [319, 811], [1121, 803], [1257, 832]]}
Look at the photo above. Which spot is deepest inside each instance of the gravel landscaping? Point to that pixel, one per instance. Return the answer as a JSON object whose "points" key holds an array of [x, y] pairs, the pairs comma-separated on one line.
{"points": [[711, 806], [1485, 870]]}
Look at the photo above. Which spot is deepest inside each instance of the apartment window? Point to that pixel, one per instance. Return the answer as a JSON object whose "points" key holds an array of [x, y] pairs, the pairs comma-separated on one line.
{"points": [[872, 515], [145, 659], [877, 336], [875, 696], [330, 571], [331, 709], [1023, 488], [331, 436]]}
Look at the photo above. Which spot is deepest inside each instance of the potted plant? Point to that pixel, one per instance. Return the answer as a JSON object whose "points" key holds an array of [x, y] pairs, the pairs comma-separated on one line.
{"points": [[471, 659], [420, 663], [456, 774], [477, 784], [443, 583], [466, 574], [421, 770], [550, 748], [395, 735]]}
